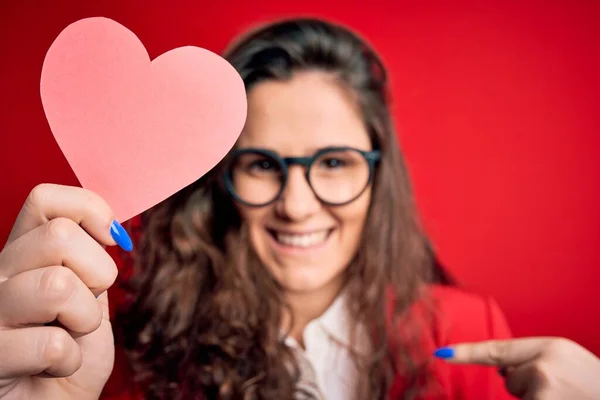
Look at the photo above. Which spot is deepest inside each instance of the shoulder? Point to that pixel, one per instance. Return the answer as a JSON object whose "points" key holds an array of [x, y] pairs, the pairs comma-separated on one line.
{"points": [[450, 313], [461, 315]]}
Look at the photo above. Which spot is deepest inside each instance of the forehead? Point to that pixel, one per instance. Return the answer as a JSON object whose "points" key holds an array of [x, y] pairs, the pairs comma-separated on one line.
{"points": [[300, 115]]}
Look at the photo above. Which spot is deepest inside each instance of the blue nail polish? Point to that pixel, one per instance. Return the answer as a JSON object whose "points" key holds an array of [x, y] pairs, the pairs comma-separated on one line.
{"points": [[444, 352], [121, 236]]}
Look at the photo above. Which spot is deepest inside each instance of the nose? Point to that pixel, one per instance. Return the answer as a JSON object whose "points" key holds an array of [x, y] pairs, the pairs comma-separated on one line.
{"points": [[297, 201]]}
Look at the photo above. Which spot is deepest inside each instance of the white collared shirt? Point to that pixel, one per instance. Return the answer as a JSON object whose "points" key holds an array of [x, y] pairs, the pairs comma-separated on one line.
{"points": [[326, 343]]}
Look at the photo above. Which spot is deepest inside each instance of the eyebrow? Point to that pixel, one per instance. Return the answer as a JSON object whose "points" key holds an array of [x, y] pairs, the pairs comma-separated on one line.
{"points": [[311, 151]]}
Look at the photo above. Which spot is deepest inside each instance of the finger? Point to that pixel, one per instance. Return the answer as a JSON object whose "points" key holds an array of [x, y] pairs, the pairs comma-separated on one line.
{"points": [[103, 302], [521, 380], [505, 371], [86, 208], [48, 294], [494, 352], [34, 350], [60, 242]]}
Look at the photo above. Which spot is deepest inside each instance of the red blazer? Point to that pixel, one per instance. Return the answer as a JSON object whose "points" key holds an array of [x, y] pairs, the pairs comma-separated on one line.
{"points": [[460, 317]]}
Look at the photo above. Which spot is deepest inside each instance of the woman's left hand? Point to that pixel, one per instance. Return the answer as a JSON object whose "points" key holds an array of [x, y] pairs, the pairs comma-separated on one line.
{"points": [[542, 368]]}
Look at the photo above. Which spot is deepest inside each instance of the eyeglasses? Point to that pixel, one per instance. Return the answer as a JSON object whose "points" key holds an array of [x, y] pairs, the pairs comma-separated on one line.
{"points": [[337, 175]]}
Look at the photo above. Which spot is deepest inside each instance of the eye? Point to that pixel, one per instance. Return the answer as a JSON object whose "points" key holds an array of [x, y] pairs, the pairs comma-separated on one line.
{"points": [[262, 165], [332, 162]]}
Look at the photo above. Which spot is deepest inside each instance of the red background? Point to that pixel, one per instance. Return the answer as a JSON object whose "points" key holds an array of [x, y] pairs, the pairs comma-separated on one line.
{"points": [[497, 108]]}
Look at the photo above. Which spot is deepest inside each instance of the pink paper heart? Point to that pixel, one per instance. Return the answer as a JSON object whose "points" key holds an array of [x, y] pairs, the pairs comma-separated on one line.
{"points": [[136, 131]]}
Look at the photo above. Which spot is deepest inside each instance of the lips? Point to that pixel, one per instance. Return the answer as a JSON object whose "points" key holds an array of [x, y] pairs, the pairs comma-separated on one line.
{"points": [[302, 240]]}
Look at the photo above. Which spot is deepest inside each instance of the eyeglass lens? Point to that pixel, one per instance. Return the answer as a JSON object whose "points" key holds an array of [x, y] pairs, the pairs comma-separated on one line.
{"points": [[336, 177]]}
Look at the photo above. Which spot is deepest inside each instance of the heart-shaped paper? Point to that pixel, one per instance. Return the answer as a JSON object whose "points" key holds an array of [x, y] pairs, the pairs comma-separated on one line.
{"points": [[136, 131]]}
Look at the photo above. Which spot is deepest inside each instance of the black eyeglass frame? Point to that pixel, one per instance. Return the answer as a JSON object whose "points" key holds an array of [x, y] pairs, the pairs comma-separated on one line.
{"points": [[372, 157]]}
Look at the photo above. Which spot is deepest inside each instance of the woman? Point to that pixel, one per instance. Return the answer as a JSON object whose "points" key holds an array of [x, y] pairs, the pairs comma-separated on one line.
{"points": [[307, 230], [297, 268]]}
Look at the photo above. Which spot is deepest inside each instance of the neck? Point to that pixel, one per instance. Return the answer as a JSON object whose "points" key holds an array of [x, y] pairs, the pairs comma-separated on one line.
{"points": [[307, 306]]}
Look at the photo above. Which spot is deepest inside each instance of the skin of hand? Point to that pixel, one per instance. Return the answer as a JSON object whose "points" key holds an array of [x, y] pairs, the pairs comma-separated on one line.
{"points": [[540, 368], [56, 339]]}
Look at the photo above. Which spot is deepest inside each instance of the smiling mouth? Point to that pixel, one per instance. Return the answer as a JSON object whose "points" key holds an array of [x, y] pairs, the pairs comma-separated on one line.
{"points": [[301, 240]]}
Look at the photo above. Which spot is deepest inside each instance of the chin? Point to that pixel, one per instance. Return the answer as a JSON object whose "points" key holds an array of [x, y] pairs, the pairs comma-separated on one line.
{"points": [[306, 280], [300, 287]]}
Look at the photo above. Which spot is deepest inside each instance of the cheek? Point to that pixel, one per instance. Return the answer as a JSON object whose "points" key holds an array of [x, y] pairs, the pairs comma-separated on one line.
{"points": [[253, 218], [352, 218], [251, 215]]}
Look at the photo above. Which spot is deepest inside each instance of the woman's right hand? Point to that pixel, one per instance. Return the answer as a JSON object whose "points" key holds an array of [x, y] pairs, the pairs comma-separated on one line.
{"points": [[56, 340]]}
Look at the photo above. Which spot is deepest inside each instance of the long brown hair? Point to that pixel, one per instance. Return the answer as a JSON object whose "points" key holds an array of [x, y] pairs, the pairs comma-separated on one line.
{"points": [[206, 315]]}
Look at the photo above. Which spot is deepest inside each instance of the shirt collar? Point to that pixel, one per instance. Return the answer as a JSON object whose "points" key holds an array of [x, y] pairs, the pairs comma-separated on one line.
{"points": [[335, 322]]}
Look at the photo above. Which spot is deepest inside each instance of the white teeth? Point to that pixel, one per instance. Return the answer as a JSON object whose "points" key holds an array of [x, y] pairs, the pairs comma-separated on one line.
{"points": [[302, 240]]}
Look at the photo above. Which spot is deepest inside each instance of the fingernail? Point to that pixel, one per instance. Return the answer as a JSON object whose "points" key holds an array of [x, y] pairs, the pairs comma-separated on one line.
{"points": [[121, 236], [444, 352]]}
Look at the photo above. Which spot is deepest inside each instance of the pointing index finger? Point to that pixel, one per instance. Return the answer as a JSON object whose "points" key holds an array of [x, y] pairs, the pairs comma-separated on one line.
{"points": [[510, 352]]}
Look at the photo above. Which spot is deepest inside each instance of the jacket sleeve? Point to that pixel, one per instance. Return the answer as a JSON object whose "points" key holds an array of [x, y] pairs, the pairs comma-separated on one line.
{"points": [[458, 316], [471, 318]]}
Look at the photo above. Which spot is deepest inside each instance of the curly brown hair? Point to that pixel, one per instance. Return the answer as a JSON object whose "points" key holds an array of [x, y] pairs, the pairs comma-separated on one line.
{"points": [[206, 317]]}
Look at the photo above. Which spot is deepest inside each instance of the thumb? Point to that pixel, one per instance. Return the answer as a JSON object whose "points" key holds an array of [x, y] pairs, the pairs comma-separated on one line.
{"points": [[509, 352]]}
